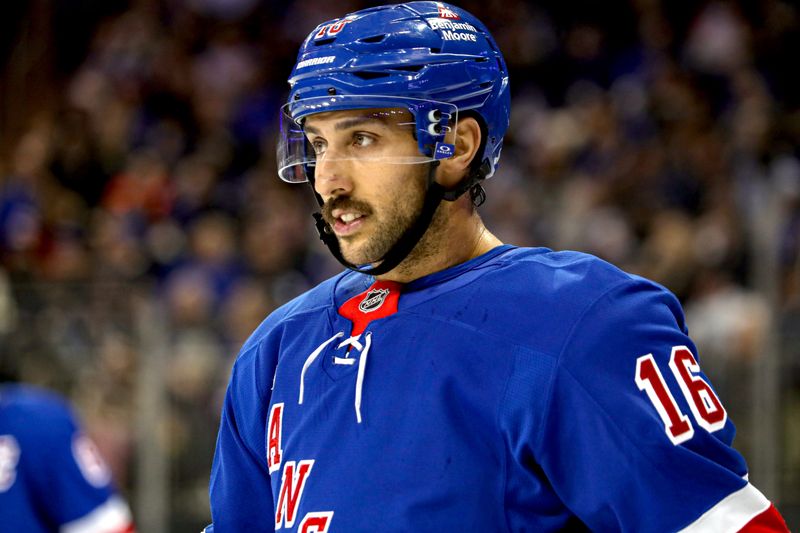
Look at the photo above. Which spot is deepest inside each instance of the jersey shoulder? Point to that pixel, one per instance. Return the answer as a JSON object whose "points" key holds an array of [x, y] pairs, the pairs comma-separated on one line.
{"points": [[35, 408], [563, 272], [542, 294]]}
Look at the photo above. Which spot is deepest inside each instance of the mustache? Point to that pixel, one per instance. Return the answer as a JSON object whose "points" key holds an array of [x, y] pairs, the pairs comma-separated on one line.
{"points": [[345, 203]]}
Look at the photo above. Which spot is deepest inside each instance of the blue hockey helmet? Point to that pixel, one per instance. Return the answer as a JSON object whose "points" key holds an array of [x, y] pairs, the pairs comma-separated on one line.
{"points": [[434, 59]]}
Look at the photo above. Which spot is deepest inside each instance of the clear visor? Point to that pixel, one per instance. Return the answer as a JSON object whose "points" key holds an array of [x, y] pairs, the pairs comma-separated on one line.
{"points": [[318, 131]]}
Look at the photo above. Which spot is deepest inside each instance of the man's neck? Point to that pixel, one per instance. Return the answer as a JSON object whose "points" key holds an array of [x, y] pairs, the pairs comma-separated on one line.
{"points": [[445, 245]]}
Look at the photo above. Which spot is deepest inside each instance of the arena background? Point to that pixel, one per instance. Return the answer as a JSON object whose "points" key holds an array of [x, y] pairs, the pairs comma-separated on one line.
{"points": [[144, 231]]}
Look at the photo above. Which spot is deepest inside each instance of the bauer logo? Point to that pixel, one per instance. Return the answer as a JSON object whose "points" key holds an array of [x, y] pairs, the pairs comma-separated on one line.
{"points": [[373, 300], [443, 151], [445, 12]]}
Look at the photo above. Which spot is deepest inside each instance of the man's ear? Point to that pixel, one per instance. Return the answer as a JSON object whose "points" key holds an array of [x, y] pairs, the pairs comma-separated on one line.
{"points": [[468, 141]]}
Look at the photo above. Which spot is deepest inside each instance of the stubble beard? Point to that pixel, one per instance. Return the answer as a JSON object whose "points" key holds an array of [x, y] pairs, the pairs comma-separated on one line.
{"points": [[389, 226]]}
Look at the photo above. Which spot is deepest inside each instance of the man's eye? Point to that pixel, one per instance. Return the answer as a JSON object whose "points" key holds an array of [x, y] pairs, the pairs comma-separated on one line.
{"points": [[360, 139], [319, 146]]}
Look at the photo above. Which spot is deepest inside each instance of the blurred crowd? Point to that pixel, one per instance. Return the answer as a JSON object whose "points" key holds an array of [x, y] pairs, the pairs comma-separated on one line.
{"points": [[661, 137]]}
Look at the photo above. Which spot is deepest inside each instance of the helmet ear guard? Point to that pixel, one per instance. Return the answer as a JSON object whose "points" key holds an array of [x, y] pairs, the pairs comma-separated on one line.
{"points": [[479, 169]]}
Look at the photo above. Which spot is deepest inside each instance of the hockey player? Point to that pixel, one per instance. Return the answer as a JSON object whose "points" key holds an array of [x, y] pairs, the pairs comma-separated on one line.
{"points": [[52, 478], [446, 381]]}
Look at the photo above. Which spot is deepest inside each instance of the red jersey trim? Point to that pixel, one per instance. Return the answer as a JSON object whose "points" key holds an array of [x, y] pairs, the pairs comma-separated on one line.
{"points": [[746, 510], [378, 301], [768, 521]]}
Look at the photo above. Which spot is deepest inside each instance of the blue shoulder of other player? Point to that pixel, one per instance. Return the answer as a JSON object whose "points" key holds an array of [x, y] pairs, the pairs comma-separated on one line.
{"points": [[50, 471]]}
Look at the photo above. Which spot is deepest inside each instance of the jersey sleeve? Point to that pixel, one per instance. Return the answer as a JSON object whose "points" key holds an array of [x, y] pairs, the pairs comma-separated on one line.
{"points": [[634, 437], [71, 480], [240, 491]]}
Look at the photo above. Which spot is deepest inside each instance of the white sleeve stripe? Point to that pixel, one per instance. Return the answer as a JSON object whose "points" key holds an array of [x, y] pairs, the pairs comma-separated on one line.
{"points": [[731, 513], [113, 515]]}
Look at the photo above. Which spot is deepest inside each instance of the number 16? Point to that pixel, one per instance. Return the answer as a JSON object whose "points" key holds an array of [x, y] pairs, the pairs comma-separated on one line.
{"points": [[704, 403]]}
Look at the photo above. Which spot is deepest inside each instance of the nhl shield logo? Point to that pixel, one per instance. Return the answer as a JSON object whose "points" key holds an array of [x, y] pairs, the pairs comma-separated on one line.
{"points": [[373, 300]]}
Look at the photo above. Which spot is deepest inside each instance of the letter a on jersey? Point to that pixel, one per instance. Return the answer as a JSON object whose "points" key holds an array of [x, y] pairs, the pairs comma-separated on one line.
{"points": [[275, 426], [293, 482]]}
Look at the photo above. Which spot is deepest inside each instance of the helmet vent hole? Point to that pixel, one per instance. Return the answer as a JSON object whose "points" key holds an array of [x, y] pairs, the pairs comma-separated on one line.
{"points": [[374, 38], [485, 85], [323, 42], [409, 68], [365, 75]]}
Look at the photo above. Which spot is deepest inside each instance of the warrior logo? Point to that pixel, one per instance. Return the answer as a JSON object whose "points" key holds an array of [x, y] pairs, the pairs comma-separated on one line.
{"points": [[445, 12], [373, 300]]}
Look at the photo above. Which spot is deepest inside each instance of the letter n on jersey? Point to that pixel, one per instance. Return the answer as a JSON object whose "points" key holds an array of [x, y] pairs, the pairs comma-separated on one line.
{"points": [[293, 481], [292, 484]]}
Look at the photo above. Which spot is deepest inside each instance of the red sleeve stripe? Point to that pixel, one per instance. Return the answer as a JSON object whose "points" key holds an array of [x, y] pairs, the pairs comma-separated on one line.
{"points": [[744, 510], [767, 522]]}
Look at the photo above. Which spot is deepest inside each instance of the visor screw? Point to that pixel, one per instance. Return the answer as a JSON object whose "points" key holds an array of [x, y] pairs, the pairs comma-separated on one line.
{"points": [[331, 91]]}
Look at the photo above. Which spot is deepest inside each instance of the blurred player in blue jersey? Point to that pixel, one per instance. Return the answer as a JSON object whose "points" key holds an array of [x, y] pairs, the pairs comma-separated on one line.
{"points": [[447, 381], [52, 478]]}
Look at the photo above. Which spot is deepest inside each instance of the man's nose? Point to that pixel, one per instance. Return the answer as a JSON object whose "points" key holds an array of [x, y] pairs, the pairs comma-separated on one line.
{"points": [[331, 176]]}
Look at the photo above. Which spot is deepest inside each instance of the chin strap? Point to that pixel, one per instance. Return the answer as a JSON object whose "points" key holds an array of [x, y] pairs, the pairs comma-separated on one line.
{"points": [[471, 183], [434, 195]]}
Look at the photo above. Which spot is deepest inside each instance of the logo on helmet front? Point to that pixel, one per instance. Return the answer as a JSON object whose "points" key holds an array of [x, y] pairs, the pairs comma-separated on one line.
{"points": [[373, 300], [445, 12], [330, 30]]}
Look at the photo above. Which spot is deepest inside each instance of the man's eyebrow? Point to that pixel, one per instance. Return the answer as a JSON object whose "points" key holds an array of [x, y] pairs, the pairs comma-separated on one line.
{"points": [[348, 123]]}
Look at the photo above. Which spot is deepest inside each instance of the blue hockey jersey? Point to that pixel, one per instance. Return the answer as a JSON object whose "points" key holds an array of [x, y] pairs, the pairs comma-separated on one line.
{"points": [[523, 390], [51, 475]]}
